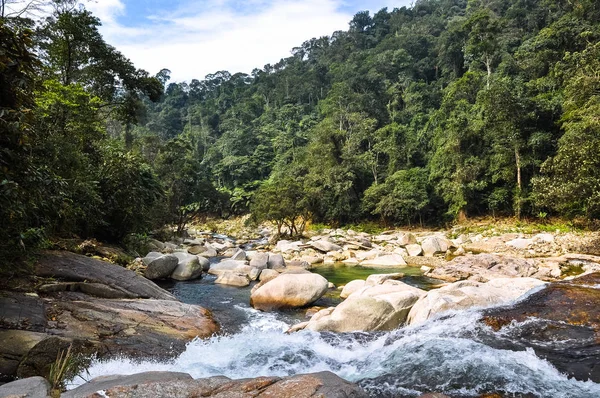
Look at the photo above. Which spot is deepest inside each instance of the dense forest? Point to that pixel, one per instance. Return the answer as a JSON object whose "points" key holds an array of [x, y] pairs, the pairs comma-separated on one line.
{"points": [[448, 109]]}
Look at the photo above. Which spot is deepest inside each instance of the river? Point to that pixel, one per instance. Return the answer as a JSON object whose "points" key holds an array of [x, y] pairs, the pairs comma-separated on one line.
{"points": [[455, 354]]}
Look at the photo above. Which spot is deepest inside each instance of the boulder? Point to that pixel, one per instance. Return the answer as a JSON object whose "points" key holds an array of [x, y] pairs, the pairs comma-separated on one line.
{"points": [[406, 239], [151, 257], [312, 259], [74, 267], [254, 273], [225, 265], [276, 261], [289, 291], [433, 245], [414, 250], [260, 260], [14, 346], [379, 279], [268, 274], [390, 260], [161, 267], [145, 328], [325, 246], [520, 243], [189, 266], [368, 255], [352, 287], [156, 244], [544, 238], [32, 387], [233, 278], [483, 267], [203, 250], [171, 384], [468, 294], [372, 308], [239, 255], [288, 246]]}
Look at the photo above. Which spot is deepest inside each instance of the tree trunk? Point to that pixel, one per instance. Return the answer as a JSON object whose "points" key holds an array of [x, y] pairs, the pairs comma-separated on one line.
{"points": [[488, 65], [519, 187]]}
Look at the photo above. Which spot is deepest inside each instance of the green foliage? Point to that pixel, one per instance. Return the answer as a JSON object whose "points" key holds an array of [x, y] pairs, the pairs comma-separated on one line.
{"points": [[129, 190], [571, 180], [284, 203], [402, 197], [445, 109]]}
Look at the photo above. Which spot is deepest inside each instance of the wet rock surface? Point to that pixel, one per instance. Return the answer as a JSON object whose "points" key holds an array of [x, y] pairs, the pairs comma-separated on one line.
{"points": [[171, 384], [560, 322], [73, 267]]}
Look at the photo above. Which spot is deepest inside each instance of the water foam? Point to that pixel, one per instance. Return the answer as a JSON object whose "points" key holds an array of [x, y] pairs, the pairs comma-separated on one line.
{"points": [[445, 354]]}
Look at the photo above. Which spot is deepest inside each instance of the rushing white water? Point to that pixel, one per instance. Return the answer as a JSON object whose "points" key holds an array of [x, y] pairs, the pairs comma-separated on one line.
{"points": [[446, 355]]}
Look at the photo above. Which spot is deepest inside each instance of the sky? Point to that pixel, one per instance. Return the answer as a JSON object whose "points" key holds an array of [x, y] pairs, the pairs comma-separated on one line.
{"points": [[196, 38]]}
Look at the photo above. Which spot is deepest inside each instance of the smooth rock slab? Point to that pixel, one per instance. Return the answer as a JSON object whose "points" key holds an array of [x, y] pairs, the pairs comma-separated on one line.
{"points": [[325, 246], [132, 327], [32, 387], [561, 322], [484, 267], [468, 294], [74, 267], [168, 385]]}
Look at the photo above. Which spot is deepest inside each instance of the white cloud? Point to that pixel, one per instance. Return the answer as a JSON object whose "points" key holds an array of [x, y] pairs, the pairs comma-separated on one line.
{"points": [[199, 39]]}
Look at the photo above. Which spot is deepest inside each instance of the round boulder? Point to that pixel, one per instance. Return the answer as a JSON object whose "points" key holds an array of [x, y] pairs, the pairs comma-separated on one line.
{"points": [[289, 291], [161, 267]]}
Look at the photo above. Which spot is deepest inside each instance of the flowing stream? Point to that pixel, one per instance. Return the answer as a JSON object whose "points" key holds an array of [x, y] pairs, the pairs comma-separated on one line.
{"points": [[454, 354]]}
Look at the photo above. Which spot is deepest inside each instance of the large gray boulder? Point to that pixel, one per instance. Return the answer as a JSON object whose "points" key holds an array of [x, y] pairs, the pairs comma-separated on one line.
{"points": [[77, 268], [433, 245], [372, 308], [468, 294], [161, 267], [276, 261], [289, 291], [32, 387], [203, 250], [406, 239], [189, 266], [260, 260]]}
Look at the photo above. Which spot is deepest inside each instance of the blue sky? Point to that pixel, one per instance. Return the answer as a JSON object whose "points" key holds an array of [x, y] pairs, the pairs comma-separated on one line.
{"points": [[195, 38]]}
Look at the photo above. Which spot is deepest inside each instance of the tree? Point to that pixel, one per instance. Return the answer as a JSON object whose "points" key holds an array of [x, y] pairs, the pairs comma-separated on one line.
{"points": [[402, 197], [283, 202]]}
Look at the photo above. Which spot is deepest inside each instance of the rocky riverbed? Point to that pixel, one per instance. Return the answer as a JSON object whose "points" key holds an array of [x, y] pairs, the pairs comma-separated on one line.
{"points": [[413, 291]]}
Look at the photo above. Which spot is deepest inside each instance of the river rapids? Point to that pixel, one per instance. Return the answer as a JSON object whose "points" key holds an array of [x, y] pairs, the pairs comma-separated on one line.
{"points": [[455, 354]]}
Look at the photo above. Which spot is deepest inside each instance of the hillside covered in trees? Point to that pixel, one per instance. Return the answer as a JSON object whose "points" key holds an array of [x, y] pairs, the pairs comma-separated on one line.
{"points": [[447, 109]]}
